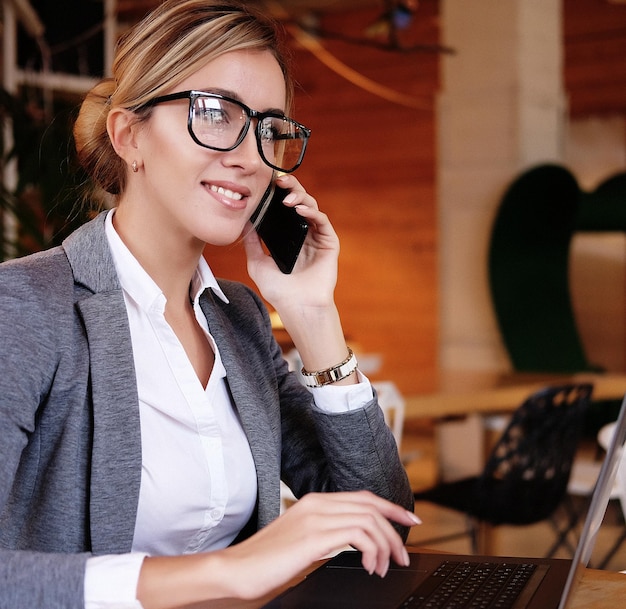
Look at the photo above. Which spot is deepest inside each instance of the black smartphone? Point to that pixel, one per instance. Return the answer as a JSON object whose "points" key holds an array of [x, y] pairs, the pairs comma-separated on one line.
{"points": [[281, 228]]}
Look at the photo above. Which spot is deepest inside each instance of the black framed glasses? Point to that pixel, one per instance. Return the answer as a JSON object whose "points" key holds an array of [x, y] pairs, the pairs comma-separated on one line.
{"points": [[221, 123]]}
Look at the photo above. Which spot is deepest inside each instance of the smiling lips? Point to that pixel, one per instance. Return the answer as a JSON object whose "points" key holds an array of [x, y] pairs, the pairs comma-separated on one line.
{"points": [[230, 194]]}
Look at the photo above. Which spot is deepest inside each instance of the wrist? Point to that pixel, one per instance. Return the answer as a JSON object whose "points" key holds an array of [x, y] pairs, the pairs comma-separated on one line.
{"points": [[332, 374], [174, 581], [317, 336]]}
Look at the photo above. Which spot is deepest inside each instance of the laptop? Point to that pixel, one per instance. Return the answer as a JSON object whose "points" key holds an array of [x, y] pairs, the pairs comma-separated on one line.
{"points": [[531, 583]]}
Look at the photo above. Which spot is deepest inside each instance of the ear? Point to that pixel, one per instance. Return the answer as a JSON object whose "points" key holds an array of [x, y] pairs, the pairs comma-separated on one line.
{"points": [[123, 127]]}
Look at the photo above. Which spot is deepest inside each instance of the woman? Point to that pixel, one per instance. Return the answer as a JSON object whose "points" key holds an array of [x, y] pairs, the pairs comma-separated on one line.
{"points": [[146, 412]]}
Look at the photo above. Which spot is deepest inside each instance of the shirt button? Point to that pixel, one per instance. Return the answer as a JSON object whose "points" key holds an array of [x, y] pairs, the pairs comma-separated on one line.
{"points": [[215, 514]]}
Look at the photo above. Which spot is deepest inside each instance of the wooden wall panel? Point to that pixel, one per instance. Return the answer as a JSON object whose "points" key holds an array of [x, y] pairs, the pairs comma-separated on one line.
{"points": [[371, 167], [594, 33]]}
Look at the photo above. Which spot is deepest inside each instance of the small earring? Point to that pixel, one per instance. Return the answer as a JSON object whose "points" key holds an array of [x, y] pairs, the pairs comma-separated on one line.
{"points": [[134, 167]]}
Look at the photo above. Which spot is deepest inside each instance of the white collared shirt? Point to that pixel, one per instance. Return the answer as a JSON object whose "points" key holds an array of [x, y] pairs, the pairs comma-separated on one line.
{"points": [[197, 468], [198, 482]]}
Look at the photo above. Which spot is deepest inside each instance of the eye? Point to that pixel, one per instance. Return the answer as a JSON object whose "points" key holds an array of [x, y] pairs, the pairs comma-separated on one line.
{"points": [[268, 131], [211, 117], [210, 113]]}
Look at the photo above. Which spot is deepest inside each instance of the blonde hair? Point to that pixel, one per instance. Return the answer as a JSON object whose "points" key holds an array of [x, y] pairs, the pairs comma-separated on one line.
{"points": [[170, 44]]}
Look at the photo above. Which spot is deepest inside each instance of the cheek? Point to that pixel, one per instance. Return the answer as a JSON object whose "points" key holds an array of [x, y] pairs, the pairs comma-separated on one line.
{"points": [[165, 135], [265, 183]]}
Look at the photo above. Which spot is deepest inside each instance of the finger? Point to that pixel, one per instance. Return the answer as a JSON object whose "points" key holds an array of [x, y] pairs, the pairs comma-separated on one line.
{"points": [[319, 221], [332, 533], [297, 194], [365, 525], [390, 510]]}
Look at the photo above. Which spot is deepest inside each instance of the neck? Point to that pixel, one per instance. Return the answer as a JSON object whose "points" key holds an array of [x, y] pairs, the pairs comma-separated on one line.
{"points": [[169, 259]]}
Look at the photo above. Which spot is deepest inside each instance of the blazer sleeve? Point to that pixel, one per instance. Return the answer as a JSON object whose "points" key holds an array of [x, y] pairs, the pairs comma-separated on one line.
{"points": [[349, 451], [319, 452], [27, 578], [35, 579]]}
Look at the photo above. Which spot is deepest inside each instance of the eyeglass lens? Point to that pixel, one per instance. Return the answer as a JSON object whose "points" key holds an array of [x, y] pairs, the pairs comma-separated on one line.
{"points": [[219, 123]]}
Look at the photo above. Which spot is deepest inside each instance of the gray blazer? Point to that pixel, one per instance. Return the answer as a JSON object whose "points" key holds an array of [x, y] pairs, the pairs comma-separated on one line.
{"points": [[70, 448]]}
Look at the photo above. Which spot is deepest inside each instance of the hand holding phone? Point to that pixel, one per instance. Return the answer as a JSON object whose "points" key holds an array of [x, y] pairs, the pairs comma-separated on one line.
{"points": [[281, 228]]}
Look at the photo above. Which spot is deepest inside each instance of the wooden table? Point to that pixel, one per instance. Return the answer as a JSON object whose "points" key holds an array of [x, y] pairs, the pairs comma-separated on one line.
{"points": [[600, 590], [597, 590], [462, 392]]}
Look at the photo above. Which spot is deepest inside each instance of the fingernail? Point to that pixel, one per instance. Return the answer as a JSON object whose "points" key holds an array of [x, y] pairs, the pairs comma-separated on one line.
{"points": [[414, 517], [407, 559], [290, 198]]}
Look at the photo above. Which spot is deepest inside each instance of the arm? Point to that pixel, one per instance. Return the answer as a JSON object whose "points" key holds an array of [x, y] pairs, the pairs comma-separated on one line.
{"points": [[316, 450], [347, 451], [47, 513], [316, 525], [28, 362], [322, 451], [304, 299], [31, 579]]}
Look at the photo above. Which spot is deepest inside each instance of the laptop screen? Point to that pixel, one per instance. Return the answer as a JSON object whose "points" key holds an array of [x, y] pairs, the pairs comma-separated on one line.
{"points": [[599, 503]]}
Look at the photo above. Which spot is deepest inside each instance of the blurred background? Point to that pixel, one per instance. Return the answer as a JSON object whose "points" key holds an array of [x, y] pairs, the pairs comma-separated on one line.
{"points": [[423, 114], [472, 157]]}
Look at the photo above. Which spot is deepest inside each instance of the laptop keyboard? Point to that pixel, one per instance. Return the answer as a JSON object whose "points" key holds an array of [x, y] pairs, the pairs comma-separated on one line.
{"points": [[471, 585]]}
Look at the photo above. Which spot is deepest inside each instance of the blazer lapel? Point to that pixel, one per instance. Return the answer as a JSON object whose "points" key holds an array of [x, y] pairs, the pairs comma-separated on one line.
{"points": [[254, 407], [116, 453]]}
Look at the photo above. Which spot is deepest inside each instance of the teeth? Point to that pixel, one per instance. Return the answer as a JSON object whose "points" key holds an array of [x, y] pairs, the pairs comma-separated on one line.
{"points": [[227, 193]]}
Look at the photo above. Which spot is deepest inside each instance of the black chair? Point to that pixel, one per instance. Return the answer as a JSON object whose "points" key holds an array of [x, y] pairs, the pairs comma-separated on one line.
{"points": [[525, 478]]}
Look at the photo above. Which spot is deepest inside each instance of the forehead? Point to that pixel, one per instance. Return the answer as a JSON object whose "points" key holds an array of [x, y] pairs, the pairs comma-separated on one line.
{"points": [[253, 77]]}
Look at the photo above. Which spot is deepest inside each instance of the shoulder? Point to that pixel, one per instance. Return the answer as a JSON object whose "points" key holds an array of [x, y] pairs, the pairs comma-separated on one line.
{"points": [[37, 314], [37, 277]]}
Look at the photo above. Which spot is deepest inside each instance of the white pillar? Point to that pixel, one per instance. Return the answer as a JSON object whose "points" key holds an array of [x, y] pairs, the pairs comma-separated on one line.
{"points": [[501, 110]]}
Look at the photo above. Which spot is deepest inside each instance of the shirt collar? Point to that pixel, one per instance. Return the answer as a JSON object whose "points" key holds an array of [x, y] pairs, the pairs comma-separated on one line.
{"points": [[139, 285], [203, 279]]}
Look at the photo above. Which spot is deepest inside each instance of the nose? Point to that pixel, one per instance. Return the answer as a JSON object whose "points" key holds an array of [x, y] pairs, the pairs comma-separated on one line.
{"points": [[246, 155]]}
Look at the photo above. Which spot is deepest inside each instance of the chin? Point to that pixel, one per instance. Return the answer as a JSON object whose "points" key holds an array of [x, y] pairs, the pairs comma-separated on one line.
{"points": [[224, 239], [219, 233]]}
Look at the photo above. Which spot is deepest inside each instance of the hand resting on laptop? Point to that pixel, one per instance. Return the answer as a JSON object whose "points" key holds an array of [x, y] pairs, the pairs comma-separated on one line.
{"points": [[318, 524]]}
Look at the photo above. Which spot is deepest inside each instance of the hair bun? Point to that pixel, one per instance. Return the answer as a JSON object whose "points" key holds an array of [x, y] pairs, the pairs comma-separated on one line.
{"points": [[93, 146]]}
